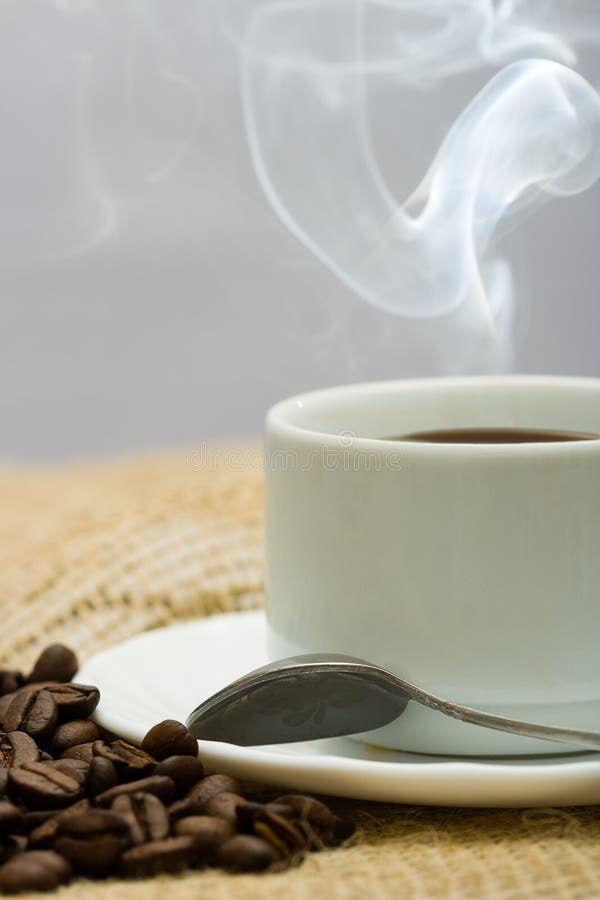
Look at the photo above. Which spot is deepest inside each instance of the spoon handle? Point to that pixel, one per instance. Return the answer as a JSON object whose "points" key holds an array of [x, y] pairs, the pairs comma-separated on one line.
{"points": [[581, 737]]}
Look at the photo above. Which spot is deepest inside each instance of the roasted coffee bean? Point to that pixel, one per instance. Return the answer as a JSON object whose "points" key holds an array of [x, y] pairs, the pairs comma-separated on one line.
{"points": [[11, 845], [44, 833], [208, 831], [76, 768], [10, 681], [92, 841], [246, 853], [84, 752], [5, 702], [169, 738], [41, 786], [246, 811], [124, 824], [186, 807], [9, 816], [308, 808], [224, 806], [185, 771], [331, 828], [129, 761], [34, 712], [193, 804], [74, 701], [267, 822], [170, 855], [101, 777], [212, 785], [17, 748], [287, 838], [34, 870], [33, 818], [73, 733], [146, 817], [159, 785], [55, 663]]}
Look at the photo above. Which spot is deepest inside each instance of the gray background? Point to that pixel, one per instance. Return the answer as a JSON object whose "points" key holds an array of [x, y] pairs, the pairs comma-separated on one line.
{"points": [[148, 295]]}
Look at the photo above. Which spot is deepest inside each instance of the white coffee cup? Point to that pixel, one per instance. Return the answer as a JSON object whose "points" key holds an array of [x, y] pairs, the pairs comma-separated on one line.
{"points": [[473, 570]]}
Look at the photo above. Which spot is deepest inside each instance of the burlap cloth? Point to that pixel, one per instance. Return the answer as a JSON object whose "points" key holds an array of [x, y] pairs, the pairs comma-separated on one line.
{"points": [[90, 554]]}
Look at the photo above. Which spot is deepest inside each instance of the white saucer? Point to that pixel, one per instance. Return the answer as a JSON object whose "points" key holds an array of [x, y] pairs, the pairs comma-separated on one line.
{"points": [[165, 673]]}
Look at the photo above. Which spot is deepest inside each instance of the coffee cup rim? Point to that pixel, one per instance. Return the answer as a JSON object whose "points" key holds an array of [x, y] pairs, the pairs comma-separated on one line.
{"points": [[280, 415]]}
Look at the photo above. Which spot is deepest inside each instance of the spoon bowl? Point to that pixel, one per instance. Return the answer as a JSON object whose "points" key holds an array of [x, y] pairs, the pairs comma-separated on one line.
{"points": [[324, 695]]}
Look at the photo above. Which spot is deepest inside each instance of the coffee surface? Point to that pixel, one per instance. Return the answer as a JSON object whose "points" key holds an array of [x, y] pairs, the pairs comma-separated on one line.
{"points": [[495, 436]]}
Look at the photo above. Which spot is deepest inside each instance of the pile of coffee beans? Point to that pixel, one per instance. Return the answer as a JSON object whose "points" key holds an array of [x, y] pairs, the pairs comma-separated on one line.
{"points": [[76, 800]]}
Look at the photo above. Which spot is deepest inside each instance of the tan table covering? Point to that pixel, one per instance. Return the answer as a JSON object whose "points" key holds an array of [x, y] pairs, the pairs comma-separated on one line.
{"points": [[91, 554]]}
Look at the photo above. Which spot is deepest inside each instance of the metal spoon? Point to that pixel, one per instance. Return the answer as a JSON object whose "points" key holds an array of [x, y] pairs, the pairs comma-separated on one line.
{"points": [[321, 695]]}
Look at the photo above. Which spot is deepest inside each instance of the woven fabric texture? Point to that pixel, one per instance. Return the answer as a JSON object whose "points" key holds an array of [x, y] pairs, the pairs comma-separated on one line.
{"points": [[91, 554]]}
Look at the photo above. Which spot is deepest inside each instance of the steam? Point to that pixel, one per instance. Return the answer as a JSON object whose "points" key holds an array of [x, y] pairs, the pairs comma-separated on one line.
{"points": [[531, 133], [136, 127], [80, 135]]}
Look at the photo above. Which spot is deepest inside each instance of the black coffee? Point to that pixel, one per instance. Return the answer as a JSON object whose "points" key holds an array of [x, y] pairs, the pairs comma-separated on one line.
{"points": [[495, 436]]}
